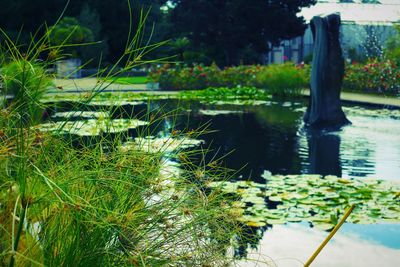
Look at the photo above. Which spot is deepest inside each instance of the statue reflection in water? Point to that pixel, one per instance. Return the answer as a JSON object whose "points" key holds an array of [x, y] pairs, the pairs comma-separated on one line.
{"points": [[324, 153]]}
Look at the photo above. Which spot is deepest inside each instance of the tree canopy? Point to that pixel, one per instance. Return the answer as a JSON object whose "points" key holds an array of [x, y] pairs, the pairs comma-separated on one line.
{"points": [[235, 31], [227, 32]]}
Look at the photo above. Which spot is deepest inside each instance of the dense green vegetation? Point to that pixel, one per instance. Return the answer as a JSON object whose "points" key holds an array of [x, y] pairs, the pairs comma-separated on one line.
{"points": [[284, 80], [377, 76], [200, 31], [69, 33], [129, 80], [234, 32], [72, 194]]}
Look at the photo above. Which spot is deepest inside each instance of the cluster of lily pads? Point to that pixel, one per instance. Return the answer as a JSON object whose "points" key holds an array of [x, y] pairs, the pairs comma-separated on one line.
{"points": [[92, 127], [209, 112], [238, 102], [318, 200], [81, 114], [356, 110], [163, 144]]}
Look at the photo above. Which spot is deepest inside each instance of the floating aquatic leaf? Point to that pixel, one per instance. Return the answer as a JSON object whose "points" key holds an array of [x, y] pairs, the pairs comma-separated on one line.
{"points": [[324, 226], [256, 224], [276, 221], [253, 199]]}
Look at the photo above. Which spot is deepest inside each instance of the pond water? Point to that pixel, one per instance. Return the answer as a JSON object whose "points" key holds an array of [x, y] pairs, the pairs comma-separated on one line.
{"points": [[270, 136]]}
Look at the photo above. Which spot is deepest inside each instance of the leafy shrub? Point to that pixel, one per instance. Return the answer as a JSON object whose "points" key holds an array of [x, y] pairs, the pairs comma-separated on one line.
{"points": [[283, 79], [224, 93], [67, 32], [378, 76], [392, 49]]}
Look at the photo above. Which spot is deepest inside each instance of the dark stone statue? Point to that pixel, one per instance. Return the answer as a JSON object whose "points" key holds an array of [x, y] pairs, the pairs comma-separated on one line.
{"points": [[327, 72]]}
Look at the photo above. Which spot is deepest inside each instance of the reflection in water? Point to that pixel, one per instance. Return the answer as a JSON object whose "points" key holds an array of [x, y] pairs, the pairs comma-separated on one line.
{"points": [[272, 138], [291, 245], [323, 153]]}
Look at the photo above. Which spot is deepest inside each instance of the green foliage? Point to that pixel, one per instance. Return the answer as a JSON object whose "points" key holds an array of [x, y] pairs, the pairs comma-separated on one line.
{"points": [[377, 76], [284, 80], [223, 93], [90, 18], [26, 82], [91, 206], [129, 80], [23, 17], [68, 31], [392, 50], [235, 32], [227, 32], [67, 202], [179, 46]]}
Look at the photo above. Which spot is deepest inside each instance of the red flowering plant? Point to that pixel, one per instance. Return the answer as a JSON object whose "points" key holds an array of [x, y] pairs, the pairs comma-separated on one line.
{"points": [[376, 76], [281, 79]]}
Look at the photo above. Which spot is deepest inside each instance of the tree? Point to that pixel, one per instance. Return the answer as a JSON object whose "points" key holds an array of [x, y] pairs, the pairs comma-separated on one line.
{"points": [[392, 50], [108, 20], [227, 31], [69, 32], [92, 54]]}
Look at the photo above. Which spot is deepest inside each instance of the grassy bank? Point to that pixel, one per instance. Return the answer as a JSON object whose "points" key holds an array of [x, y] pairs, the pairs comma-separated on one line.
{"points": [[128, 80]]}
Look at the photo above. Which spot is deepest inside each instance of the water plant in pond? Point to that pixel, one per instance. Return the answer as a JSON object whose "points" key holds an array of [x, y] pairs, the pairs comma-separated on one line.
{"points": [[163, 144], [218, 112], [240, 96], [114, 103], [312, 198], [92, 127], [238, 102], [81, 114], [278, 79]]}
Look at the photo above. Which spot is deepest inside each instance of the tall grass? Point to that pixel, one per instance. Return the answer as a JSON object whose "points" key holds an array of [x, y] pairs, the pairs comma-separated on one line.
{"points": [[283, 79], [63, 205]]}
